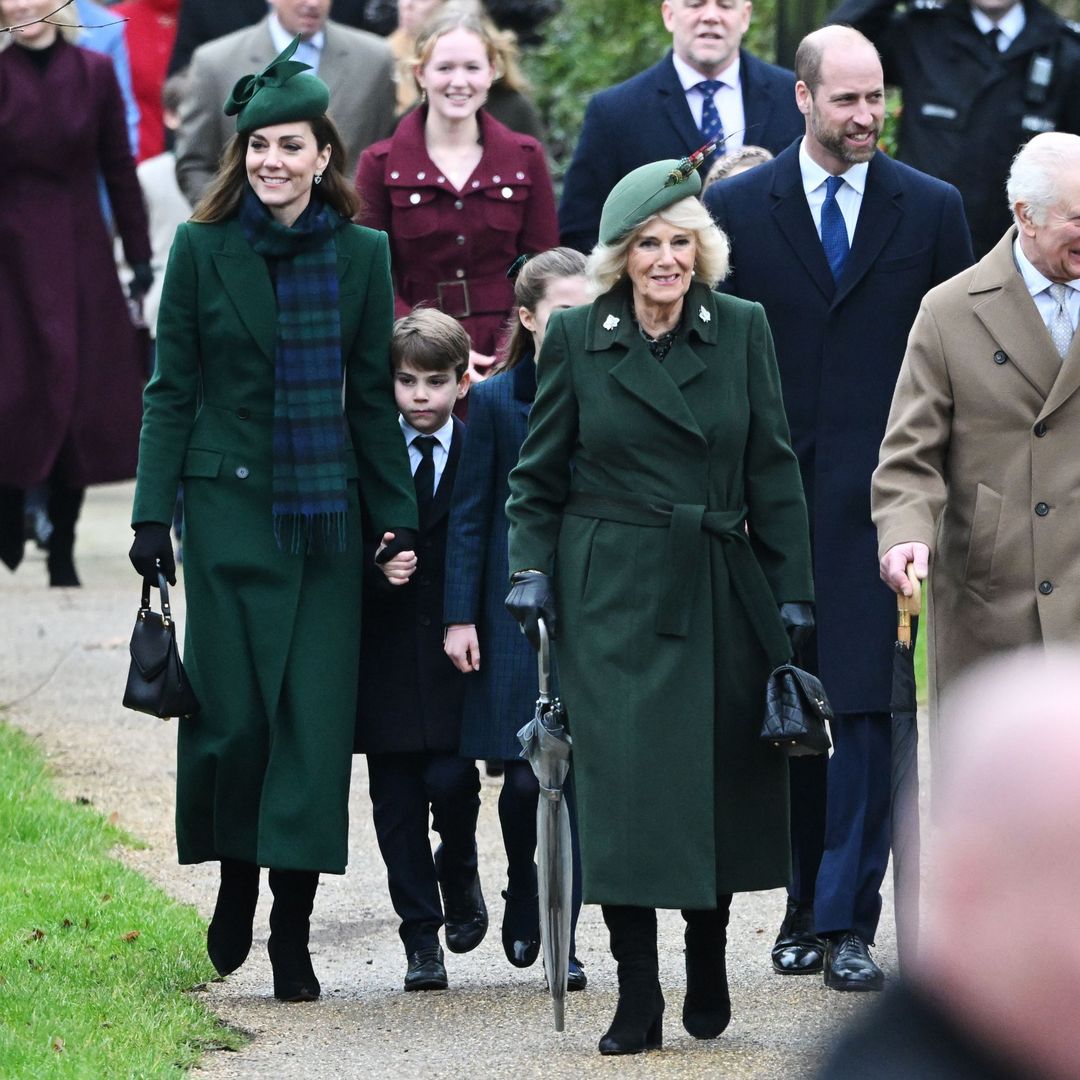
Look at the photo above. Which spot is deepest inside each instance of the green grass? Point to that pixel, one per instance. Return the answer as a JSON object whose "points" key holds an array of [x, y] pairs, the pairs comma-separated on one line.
{"points": [[94, 960]]}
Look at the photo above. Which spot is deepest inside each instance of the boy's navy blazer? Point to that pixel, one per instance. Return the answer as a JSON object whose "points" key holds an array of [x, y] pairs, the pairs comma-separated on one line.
{"points": [[502, 695], [410, 694], [646, 118]]}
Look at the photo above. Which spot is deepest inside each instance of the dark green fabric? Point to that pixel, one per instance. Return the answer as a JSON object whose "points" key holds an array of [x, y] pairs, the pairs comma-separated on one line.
{"points": [[272, 640], [640, 194], [668, 591], [283, 91], [309, 504]]}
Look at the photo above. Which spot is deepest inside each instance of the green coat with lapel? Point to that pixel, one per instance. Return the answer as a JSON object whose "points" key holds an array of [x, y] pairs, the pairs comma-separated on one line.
{"points": [[667, 502], [272, 639]]}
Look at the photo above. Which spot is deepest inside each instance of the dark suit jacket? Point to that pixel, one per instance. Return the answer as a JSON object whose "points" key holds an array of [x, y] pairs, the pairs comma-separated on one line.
{"points": [[647, 119], [499, 698], [410, 692], [839, 347], [204, 20]]}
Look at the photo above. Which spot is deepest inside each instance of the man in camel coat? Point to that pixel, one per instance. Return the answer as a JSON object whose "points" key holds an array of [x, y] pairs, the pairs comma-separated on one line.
{"points": [[979, 472]]}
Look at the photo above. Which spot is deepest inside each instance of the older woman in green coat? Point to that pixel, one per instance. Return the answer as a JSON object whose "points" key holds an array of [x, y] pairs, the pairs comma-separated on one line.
{"points": [[273, 403], [657, 509]]}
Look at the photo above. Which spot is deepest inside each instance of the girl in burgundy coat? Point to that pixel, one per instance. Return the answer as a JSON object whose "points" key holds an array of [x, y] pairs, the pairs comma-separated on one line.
{"points": [[459, 194], [71, 368]]}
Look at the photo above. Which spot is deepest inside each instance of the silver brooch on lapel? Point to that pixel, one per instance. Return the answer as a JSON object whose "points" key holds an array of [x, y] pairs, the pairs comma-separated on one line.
{"points": [[703, 314], [611, 322]]}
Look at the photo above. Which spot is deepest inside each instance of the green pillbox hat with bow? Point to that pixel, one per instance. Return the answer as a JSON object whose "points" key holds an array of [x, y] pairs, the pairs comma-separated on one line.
{"points": [[281, 92], [644, 192]]}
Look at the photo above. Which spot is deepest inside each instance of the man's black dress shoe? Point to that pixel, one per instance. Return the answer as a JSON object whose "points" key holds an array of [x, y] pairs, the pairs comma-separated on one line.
{"points": [[521, 929], [849, 966], [575, 977], [465, 915], [426, 969], [798, 950]]}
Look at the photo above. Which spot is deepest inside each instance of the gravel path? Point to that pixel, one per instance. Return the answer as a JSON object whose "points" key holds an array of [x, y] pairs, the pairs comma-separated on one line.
{"points": [[63, 659]]}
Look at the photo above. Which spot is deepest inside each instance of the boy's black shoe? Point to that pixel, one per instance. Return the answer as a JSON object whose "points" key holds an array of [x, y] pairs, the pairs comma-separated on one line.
{"points": [[465, 915], [426, 970]]}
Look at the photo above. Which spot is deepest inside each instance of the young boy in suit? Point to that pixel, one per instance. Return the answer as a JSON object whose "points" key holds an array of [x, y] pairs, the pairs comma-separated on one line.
{"points": [[409, 711]]}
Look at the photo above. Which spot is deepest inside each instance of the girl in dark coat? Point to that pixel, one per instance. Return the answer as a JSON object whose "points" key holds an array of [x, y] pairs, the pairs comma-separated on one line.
{"points": [[459, 194], [272, 400], [501, 693], [71, 366]]}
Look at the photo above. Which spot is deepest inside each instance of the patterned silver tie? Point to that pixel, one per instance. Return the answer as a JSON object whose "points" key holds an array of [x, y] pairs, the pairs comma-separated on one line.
{"points": [[1061, 330]]}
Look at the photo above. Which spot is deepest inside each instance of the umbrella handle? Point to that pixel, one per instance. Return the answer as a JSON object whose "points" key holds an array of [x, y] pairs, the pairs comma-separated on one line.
{"points": [[908, 607], [543, 662]]}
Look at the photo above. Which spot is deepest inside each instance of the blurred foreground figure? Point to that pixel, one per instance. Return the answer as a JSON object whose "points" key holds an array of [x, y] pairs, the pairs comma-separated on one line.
{"points": [[995, 991]]}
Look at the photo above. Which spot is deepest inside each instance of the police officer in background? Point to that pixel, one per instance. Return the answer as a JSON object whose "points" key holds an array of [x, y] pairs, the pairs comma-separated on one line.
{"points": [[979, 79]]}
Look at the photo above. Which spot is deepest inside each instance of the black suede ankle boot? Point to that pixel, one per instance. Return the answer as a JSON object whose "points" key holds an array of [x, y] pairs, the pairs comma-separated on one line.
{"points": [[707, 1008], [64, 506], [228, 937], [639, 1015], [290, 923]]}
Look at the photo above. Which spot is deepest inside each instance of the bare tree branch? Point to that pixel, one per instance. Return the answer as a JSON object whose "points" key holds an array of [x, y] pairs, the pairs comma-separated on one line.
{"points": [[48, 19]]}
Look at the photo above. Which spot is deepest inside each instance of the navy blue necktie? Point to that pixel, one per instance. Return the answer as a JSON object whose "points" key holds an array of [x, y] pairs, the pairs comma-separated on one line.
{"points": [[833, 230], [711, 127], [424, 477]]}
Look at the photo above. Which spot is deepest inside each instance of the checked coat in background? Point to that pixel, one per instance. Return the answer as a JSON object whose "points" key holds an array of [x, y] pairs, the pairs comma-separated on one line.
{"points": [[500, 697]]}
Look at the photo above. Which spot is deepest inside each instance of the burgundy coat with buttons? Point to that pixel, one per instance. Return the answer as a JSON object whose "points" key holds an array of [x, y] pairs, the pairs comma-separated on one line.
{"points": [[450, 248], [71, 368]]}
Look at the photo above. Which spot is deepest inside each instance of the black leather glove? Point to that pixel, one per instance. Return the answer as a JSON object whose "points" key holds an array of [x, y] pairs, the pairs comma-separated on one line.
{"points": [[404, 540], [152, 549], [532, 597], [798, 620], [142, 277]]}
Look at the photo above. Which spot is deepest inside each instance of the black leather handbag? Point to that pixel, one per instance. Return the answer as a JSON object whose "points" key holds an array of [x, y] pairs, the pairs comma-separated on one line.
{"points": [[157, 683], [797, 712]]}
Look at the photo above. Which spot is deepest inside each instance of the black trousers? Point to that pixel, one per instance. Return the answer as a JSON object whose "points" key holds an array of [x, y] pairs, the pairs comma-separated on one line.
{"points": [[404, 787]]}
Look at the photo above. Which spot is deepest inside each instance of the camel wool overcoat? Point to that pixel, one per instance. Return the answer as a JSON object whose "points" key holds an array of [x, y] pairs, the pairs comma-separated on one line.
{"points": [[981, 462], [272, 641], [666, 500]]}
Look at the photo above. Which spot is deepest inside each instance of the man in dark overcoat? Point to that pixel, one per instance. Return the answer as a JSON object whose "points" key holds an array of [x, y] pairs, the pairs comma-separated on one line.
{"points": [[979, 79], [840, 325], [664, 111]]}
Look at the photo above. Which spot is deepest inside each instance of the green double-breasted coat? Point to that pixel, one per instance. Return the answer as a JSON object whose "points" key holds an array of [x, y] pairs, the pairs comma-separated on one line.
{"points": [[666, 500], [272, 639]]}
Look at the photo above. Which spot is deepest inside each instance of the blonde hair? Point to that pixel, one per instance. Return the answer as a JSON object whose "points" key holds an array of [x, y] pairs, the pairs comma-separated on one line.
{"points": [[500, 45], [64, 21], [741, 160], [607, 263]]}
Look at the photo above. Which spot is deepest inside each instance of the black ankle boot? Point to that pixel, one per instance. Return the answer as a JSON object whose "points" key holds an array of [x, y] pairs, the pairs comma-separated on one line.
{"points": [[707, 1008], [12, 528], [64, 506], [228, 937], [638, 1021], [294, 896]]}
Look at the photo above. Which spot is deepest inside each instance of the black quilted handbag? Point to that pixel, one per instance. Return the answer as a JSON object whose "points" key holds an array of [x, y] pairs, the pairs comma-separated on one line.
{"points": [[797, 712], [157, 683]]}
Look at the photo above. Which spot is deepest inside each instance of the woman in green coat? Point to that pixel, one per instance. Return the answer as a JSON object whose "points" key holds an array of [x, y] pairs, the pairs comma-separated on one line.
{"points": [[657, 508], [272, 401]]}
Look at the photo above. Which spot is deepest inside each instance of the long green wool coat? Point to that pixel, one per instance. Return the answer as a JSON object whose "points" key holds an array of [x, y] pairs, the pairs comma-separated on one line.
{"points": [[666, 500], [272, 639]]}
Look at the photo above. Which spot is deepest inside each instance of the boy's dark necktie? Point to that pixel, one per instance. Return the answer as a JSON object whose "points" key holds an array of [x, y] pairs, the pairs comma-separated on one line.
{"points": [[833, 230], [424, 477]]}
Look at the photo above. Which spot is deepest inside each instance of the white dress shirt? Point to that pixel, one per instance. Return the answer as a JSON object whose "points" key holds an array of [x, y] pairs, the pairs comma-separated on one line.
{"points": [[849, 196], [307, 52], [729, 102], [1039, 286], [439, 452], [1008, 28]]}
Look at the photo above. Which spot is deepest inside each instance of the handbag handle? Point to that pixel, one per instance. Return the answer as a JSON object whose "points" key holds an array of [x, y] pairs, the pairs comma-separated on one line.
{"points": [[163, 588]]}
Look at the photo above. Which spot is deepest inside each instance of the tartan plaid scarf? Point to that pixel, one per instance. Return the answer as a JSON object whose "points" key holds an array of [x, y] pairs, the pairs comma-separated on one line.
{"points": [[309, 488]]}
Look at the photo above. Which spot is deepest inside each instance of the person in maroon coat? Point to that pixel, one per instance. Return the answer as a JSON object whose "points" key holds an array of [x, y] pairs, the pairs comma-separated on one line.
{"points": [[460, 195], [71, 366]]}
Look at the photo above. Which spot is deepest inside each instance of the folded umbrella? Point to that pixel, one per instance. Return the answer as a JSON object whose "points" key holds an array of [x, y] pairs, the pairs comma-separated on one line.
{"points": [[905, 773], [546, 746]]}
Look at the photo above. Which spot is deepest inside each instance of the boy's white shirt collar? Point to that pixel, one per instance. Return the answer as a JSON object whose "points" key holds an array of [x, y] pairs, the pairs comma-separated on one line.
{"points": [[445, 434]]}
